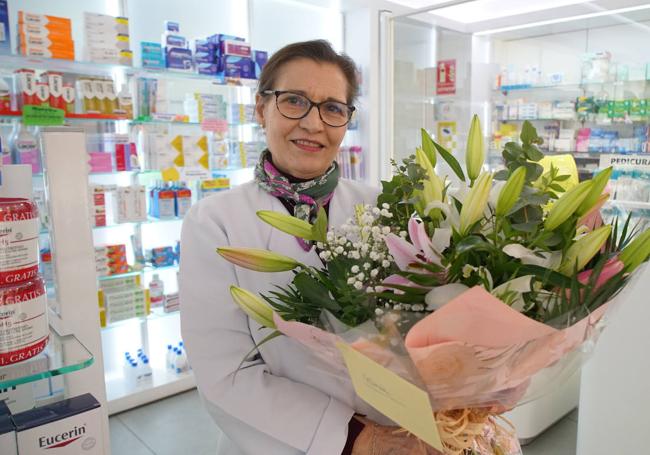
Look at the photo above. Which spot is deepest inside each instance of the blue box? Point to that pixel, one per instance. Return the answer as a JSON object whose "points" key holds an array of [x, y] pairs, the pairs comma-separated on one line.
{"points": [[220, 38], [207, 68], [260, 58], [204, 51], [152, 61], [172, 26], [5, 40], [148, 47], [178, 58], [233, 66], [175, 41]]}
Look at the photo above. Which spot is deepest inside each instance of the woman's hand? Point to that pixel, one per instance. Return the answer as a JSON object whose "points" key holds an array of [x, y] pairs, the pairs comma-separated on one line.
{"points": [[384, 440]]}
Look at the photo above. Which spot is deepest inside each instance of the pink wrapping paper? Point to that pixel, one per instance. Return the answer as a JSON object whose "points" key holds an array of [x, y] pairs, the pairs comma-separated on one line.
{"points": [[474, 352]]}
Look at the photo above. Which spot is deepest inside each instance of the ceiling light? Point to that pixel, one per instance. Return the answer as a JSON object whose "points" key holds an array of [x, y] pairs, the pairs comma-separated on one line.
{"points": [[564, 19]]}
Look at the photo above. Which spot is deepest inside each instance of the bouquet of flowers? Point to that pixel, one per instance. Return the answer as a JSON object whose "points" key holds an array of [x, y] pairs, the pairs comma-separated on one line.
{"points": [[478, 294]]}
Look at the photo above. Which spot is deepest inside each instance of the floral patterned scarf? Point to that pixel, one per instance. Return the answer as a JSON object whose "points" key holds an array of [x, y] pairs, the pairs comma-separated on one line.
{"points": [[308, 196]]}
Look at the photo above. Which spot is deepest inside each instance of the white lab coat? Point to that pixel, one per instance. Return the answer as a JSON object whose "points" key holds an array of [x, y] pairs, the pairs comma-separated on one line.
{"points": [[281, 405]]}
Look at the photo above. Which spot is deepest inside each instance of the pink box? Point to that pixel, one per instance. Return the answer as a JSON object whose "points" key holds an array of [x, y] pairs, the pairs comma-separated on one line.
{"points": [[100, 162]]}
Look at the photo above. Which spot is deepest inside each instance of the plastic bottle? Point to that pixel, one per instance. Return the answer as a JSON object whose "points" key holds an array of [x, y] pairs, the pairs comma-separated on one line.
{"points": [[147, 373], [24, 148], [180, 363], [157, 291], [183, 200], [169, 357], [191, 107], [125, 102], [166, 203]]}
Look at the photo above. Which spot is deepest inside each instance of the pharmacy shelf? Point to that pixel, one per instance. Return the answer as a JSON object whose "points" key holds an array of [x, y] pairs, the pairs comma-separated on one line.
{"points": [[152, 335], [62, 355], [576, 86], [146, 269], [156, 313], [174, 122], [629, 204], [139, 223], [592, 156], [14, 62]]}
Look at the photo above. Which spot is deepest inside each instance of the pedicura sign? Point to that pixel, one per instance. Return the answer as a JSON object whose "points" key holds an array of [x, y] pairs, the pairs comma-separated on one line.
{"points": [[446, 77]]}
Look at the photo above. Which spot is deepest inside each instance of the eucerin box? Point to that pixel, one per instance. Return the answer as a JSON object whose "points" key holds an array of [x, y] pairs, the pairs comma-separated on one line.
{"points": [[68, 427], [7, 432]]}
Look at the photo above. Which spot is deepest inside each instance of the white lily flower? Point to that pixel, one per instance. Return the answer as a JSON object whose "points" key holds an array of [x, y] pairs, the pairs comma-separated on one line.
{"points": [[519, 285], [443, 206], [439, 296], [441, 239], [550, 260], [494, 193]]}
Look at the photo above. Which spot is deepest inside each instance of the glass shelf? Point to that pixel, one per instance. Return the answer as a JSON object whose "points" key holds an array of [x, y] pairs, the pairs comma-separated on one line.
{"points": [[574, 86], [63, 355], [154, 314], [138, 223], [13, 62], [146, 269], [604, 121]]}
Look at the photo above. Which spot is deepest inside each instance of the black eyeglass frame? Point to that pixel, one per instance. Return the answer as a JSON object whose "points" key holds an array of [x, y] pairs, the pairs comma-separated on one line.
{"points": [[312, 104]]}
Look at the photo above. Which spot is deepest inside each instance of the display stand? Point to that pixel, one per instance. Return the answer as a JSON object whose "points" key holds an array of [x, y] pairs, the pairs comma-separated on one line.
{"points": [[66, 173]]}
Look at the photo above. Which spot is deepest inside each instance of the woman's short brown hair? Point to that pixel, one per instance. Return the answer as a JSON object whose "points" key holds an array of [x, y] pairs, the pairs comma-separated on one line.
{"points": [[319, 51]]}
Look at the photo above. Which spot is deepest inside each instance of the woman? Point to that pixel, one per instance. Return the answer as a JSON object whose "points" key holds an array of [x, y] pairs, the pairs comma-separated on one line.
{"points": [[282, 403]]}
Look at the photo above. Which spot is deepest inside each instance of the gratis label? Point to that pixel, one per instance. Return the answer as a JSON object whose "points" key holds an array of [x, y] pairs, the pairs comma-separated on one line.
{"points": [[43, 116]]}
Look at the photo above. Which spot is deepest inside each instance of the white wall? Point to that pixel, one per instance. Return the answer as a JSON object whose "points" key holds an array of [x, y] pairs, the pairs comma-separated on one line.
{"points": [[197, 19], [275, 23], [561, 52]]}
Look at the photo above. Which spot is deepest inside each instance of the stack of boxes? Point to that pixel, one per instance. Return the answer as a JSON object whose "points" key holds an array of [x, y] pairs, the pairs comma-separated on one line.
{"points": [[98, 205], [152, 55], [111, 260], [45, 36], [107, 39], [131, 204], [177, 55], [5, 42], [233, 56], [122, 298]]}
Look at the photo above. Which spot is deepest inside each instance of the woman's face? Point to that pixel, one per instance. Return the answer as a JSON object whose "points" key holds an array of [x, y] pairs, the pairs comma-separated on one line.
{"points": [[303, 148]]}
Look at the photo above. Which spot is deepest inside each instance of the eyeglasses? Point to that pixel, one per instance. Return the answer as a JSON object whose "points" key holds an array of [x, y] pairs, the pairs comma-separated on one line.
{"points": [[296, 106]]}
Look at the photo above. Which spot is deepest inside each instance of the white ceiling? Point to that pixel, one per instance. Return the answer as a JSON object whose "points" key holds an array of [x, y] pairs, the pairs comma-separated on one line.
{"points": [[513, 16], [482, 10]]}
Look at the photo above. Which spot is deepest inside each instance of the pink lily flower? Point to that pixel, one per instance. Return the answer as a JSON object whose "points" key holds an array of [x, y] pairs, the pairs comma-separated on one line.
{"points": [[611, 268], [407, 255], [593, 219]]}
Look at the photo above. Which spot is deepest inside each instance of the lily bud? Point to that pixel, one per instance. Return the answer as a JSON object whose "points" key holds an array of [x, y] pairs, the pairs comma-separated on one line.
{"points": [[253, 306], [432, 186], [289, 224], [511, 191], [598, 184], [475, 154], [475, 202], [567, 205], [257, 259], [583, 250], [636, 252]]}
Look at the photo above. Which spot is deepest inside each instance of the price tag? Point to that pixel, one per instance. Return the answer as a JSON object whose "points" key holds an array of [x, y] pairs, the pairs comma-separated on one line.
{"points": [[43, 116]]}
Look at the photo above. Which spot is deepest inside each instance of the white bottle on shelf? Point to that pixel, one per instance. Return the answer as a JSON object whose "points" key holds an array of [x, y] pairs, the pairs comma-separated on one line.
{"points": [[180, 362], [169, 359], [157, 291]]}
